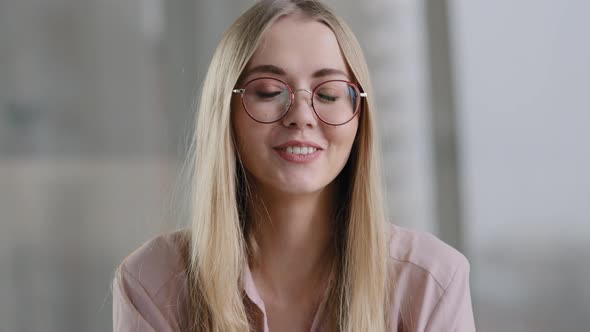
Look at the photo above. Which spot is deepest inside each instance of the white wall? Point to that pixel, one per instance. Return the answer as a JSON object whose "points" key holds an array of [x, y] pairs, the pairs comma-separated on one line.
{"points": [[523, 92]]}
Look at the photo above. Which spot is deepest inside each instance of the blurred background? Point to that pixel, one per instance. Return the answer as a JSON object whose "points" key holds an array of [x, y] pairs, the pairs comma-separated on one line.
{"points": [[484, 111]]}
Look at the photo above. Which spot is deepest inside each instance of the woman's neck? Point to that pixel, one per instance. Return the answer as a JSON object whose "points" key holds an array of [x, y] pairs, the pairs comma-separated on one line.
{"points": [[294, 234]]}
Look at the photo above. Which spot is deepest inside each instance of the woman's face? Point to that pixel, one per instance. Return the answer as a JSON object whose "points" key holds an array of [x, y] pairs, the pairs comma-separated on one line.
{"points": [[303, 53]]}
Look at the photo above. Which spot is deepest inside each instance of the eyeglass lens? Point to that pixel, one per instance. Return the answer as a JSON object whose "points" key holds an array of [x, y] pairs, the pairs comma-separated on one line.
{"points": [[267, 100]]}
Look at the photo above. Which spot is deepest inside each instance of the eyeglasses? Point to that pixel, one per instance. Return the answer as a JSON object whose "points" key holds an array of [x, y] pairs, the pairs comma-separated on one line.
{"points": [[267, 100]]}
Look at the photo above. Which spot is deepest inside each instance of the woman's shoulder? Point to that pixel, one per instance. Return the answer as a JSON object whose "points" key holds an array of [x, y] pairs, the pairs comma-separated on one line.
{"points": [[430, 282], [149, 287], [157, 261], [425, 252]]}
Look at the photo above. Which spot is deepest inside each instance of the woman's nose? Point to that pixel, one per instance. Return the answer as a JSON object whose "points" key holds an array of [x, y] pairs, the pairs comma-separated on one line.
{"points": [[301, 113]]}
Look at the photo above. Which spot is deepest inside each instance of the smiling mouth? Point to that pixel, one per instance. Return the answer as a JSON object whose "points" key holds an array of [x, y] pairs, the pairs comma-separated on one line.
{"points": [[299, 150]]}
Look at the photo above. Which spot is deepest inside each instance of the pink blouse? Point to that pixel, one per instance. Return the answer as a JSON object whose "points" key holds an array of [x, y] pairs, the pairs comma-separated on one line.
{"points": [[431, 294]]}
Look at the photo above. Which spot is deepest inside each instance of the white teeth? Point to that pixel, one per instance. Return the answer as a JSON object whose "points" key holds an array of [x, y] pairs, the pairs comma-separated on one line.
{"points": [[300, 150]]}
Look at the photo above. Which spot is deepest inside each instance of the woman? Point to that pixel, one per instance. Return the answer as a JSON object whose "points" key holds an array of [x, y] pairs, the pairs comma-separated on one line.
{"points": [[287, 225]]}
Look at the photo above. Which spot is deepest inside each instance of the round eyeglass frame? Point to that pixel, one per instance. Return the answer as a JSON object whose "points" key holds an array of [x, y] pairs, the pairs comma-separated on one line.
{"points": [[292, 99]]}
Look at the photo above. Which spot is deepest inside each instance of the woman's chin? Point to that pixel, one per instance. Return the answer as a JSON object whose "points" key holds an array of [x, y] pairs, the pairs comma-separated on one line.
{"points": [[292, 183], [298, 187]]}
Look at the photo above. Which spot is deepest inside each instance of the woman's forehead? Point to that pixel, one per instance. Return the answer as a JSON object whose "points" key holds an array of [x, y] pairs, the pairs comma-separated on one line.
{"points": [[299, 45]]}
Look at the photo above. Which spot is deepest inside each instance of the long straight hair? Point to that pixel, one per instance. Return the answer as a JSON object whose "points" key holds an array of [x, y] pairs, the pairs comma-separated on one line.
{"points": [[357, 295]]}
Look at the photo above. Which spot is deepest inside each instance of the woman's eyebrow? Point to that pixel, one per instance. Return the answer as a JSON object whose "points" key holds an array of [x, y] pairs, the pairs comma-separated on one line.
{"points": [[272, 69], [328, 71]]}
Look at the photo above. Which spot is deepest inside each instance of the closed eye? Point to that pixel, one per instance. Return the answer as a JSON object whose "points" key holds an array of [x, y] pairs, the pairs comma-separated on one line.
{"points": [[327, 98], [267, 95]]}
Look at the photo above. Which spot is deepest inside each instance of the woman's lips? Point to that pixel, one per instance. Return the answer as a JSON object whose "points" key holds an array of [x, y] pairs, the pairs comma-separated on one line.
{"points": [[297, 143], [298, 158]]}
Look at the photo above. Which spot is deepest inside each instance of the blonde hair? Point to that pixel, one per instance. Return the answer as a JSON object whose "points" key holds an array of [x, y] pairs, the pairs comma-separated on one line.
{"points": [[357, 295]]}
